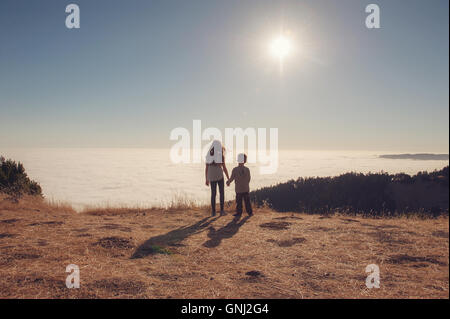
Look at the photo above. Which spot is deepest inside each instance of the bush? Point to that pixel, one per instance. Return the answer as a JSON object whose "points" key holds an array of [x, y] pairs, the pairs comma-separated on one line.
{"points": [[14, 181], [368, 194]]}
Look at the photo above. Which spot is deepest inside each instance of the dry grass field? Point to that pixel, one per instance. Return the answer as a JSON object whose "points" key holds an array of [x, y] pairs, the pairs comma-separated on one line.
{"points": [[184, 253]]}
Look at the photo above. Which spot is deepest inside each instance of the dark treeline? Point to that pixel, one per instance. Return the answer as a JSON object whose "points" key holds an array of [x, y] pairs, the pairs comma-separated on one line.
{"points": [[14, 180], [356, 193]]}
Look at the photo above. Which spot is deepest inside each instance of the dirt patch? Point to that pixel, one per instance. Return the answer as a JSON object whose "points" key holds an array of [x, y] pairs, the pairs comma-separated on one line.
{"points": [[52, 222], [166, 277], [368, 225], [441, 234], [118, 286], [5, 260], [9, 221], [387, 226], [84, 235], [254, 273], [26, 281], [25, 255], [114, 242], [309, 274], [287, 217], [321, 228], [253, 276], [389, 237], [301, 263], [435, 287], [411, 233], [36, 283], [311, 284], [276, 225], [359, 278], [405, 259], [6, 235], [349, 220], [151, 250], [287, 243], [117, 227], [147, 226], [81, 230], [42, 242]]}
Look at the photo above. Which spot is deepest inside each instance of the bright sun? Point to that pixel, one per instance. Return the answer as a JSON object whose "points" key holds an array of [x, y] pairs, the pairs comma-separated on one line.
{"points": [[281, 47]]}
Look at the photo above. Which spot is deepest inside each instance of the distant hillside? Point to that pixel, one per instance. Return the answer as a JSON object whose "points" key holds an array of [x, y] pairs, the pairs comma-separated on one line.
{"points": [[368, 194], [421, 157]]}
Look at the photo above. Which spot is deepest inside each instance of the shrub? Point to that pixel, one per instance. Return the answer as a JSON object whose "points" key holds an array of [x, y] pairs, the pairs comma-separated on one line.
{"points": [[14, 181], [368, 194]]}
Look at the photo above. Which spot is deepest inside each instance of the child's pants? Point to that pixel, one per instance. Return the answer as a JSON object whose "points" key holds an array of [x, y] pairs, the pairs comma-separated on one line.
{"points": [[214, 185], [248, 205]]}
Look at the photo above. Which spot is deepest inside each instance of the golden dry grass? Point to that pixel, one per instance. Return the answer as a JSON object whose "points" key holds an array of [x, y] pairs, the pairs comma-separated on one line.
{"points": [[183, 253]]}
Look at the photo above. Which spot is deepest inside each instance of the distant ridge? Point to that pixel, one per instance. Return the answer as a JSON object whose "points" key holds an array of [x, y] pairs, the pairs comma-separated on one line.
{"points": [[421, 156]]}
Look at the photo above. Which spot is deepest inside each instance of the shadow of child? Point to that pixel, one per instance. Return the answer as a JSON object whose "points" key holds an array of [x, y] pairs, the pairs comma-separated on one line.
{"points": [[228, 231]]}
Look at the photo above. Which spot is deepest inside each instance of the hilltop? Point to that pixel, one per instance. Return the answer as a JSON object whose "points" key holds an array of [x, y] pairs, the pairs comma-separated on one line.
{"points": [[183, 253]]}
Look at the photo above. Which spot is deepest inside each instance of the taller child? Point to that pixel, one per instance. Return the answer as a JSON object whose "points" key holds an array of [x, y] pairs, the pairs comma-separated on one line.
{"points": [[215, 167]]}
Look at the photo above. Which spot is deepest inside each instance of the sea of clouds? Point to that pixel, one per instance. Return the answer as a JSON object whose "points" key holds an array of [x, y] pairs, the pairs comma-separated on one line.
{"points": [[146, 177]]}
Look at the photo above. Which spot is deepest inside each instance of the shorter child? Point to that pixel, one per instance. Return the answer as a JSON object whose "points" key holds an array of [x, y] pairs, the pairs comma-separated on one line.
{"points": [[241, 177]]}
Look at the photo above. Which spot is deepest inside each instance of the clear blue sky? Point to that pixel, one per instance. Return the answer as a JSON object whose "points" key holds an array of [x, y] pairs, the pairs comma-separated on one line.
{"points": [[137, 69]]}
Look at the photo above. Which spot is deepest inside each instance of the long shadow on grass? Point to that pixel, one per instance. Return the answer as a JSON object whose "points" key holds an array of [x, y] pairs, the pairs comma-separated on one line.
{"points": [[158, 243], [228, 231]]}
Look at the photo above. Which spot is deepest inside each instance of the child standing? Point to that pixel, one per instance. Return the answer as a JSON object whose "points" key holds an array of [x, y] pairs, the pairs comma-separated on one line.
{"points": [[241, 177], [215, 167]]}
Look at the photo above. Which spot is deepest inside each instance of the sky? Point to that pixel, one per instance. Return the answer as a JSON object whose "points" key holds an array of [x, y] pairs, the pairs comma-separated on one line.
{"points": [[135, 70]]}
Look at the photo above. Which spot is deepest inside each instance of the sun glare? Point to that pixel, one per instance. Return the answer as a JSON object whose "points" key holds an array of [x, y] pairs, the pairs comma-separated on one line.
{"points": [[280, 47]]}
